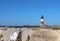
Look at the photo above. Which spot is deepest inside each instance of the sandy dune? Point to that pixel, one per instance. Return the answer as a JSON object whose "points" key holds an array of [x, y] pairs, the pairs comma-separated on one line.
{"points": [[33, 35], [42, 35]]}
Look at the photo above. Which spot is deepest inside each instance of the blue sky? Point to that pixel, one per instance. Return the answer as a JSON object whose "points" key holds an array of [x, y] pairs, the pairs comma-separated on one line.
{"points": [[28, 12]]}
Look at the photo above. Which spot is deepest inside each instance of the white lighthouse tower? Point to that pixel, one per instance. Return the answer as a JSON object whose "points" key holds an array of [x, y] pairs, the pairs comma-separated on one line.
{"points": [[42, 21]]}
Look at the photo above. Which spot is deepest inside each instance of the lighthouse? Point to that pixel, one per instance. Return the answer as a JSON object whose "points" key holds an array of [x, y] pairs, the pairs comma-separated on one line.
{"points": [[42, 21]]}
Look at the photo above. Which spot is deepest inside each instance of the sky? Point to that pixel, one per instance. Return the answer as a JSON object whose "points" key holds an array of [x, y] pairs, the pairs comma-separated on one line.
{"points": [[28, 12]]}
